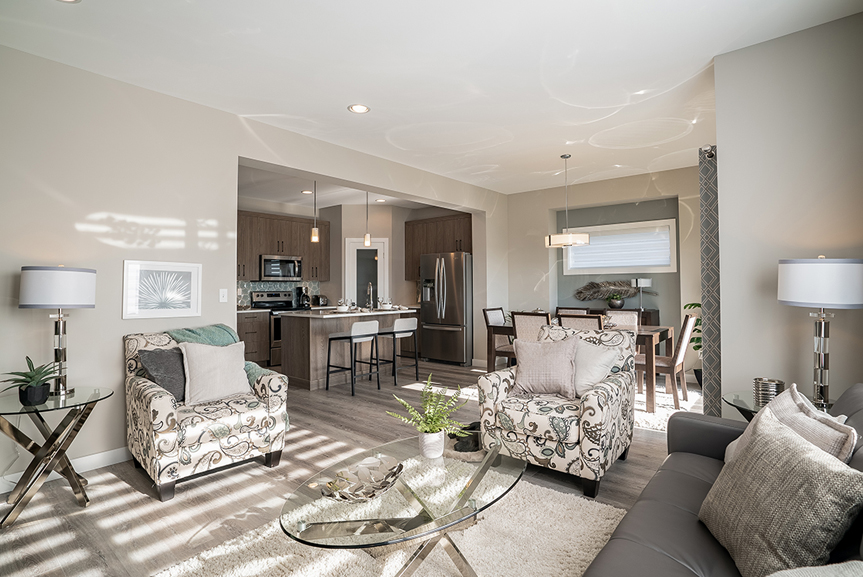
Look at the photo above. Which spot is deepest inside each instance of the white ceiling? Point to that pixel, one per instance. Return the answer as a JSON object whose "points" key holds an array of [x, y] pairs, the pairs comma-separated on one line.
{"points": [[287, 188], [489, 92]]}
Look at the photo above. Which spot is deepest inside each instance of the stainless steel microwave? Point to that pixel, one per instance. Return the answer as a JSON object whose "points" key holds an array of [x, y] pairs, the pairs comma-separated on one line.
{"points": [[276, 267]]}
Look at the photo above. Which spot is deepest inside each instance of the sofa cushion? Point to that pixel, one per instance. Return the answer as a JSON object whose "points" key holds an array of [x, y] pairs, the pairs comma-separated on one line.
{"points": [[545, 368], [549, 416], [748, 511], [620, 341], [593, 361], [214, 373], [216, 420], [165, 368]]}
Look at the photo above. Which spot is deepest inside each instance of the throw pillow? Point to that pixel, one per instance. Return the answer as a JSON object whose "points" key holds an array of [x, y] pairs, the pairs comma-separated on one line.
{"points": [[545, 368], [849, 569], [165, 367], [592, 364], [782, 502], [213, 373], [794, 410]]}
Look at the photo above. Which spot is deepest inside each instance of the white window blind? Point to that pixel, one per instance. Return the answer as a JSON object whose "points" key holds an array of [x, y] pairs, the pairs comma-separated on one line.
{"points": [[648, 246]]}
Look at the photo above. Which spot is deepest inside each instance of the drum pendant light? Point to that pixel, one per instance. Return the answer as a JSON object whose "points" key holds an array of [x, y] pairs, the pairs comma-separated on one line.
{"points": [[315, 237], [566, 238], [367, 239]]}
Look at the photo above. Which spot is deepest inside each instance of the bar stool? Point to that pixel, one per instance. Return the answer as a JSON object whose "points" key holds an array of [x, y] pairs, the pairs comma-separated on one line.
{"points": [[401, 329], [361, 332]]}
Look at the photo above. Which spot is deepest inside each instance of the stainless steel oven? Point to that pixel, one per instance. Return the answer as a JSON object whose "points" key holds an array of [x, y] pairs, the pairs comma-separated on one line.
{"points": [[274, 302], [279, 268]]}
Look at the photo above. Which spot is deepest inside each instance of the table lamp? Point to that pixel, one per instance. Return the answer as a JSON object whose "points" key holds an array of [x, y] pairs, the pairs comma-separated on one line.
{"points": [[641, 284], [822, 283], [58, 287]]}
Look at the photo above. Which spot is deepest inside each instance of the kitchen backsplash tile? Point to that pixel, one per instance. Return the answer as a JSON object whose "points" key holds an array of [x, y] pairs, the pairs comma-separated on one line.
{"points": [[244, 287]]}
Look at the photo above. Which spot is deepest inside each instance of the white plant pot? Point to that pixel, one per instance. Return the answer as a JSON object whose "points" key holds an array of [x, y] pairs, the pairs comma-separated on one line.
{"points": [[431, 445]]}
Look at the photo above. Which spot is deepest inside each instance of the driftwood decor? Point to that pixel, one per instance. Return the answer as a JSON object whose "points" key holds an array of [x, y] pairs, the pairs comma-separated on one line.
{"points": [[594, 291]]}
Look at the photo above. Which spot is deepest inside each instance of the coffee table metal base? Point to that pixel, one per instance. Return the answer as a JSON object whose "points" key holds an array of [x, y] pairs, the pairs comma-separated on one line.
{"points": [[49, 456]]}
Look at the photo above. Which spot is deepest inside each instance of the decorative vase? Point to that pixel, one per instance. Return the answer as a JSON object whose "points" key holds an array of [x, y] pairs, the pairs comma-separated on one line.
{"points": [[32, 396], [615, 303], [431, 445]]}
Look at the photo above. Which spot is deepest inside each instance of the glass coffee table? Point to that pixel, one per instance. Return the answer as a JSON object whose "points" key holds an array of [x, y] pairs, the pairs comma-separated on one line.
{"points": [[51, 454], [429, 498]]}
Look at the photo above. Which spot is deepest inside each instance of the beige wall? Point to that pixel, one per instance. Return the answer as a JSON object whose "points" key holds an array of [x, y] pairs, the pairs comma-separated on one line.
{"points": [[533, 269], [79, 149], [790, 186]]}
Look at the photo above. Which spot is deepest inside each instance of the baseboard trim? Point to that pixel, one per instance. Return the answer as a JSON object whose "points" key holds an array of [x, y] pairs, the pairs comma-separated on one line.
{"points": [[81, 464]]}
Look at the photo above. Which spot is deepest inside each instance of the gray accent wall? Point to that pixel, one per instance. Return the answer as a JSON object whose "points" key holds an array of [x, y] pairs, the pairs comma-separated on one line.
{"points": [[710, 285], [666, 284]]}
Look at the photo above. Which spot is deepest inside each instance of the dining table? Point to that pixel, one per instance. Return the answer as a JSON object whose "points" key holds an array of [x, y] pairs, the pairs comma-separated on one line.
{"points": [[649, 337]]}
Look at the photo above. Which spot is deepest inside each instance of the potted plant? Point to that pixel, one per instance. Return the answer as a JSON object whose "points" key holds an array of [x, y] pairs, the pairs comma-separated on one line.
{"points": [[615, 301], [695, 339], [33, 385], [432, 421]]}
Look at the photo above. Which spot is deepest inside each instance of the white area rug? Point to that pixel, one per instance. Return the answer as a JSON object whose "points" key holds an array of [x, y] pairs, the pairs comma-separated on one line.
{"points": [[658, 421], [531, 530]]}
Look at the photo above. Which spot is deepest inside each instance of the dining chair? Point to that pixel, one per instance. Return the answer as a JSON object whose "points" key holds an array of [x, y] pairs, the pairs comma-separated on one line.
{"points": [[671, 366], [623, 319], [526, 325], [569, 311], [502, 346], [580, 321]]}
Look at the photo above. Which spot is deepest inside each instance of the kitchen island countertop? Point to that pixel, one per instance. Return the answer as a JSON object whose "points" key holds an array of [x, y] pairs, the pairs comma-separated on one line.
{"points": [[331, 314]]}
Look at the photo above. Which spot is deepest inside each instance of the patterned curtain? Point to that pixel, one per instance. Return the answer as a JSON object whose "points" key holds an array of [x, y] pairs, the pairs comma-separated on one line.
{"points": [[711, 344]]}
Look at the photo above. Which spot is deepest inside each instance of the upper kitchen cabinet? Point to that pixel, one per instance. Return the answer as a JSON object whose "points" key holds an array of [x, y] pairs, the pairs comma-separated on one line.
{"points": [[433, 235], [259, 234]]}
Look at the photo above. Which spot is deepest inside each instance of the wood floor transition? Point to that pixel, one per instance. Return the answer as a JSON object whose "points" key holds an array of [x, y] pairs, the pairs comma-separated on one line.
{"points": [[127, 531]]}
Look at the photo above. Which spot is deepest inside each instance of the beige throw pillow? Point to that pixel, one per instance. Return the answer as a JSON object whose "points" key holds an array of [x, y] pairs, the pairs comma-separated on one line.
{"points": [[849, 569], [213, 373], [545, 368], [828, 433], [592, 364], [782, 502]]}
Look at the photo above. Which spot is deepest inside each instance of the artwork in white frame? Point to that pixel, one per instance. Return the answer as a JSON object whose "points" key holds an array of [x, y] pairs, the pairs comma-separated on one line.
{"points": [[161, 289]]}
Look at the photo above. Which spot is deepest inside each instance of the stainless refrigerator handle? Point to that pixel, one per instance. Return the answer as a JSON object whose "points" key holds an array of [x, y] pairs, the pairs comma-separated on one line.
{"points": [[438, 284], [442, 328], [443, 288]]}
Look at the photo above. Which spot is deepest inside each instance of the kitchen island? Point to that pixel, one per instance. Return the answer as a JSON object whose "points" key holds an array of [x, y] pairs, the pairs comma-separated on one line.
{"points": [[305, 335]]}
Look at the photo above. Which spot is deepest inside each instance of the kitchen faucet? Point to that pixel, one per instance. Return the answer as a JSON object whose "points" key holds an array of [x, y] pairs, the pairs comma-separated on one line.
{"points": [[369, 295]]}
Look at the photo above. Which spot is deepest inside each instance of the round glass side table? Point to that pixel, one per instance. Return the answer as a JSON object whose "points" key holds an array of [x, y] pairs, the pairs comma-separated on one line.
{"points": [[744, 402], [51, 455]]}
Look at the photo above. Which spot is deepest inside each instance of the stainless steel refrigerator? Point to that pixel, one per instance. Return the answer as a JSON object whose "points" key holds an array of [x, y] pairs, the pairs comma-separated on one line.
{"points": [[446, 313]]}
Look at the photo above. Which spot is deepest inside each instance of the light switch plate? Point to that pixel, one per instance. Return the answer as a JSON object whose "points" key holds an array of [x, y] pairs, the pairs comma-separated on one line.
{"points": [[223, 295]]}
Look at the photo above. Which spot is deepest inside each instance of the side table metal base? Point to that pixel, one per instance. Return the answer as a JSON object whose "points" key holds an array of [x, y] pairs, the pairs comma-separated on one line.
{"points": [[48, 457]]}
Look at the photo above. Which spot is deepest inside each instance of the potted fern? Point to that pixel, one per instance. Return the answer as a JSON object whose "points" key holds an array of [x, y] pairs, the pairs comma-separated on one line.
{"points": [[432, 421], [33, 385], [695, 339]]}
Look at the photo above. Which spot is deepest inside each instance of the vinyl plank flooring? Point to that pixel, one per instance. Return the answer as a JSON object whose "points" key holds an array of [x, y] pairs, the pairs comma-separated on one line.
{"points": [[127, 532]]}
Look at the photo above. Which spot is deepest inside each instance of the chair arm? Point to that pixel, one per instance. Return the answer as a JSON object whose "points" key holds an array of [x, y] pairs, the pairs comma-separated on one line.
{"points": [[151, 414], [606, 423], [269, 386], [493, 388], [702, 434]]}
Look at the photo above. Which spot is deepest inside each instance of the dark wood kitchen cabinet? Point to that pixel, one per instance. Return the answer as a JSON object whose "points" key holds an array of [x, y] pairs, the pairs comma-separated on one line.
{"points": [[254, 331], [259, 233], [432, 235]]}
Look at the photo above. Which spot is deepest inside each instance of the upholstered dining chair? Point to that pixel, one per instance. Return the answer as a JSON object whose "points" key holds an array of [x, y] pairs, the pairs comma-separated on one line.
{"points": [[569, 311], [623, 319], [671, 366], [502, 346], [580, 322], [526, 325]]}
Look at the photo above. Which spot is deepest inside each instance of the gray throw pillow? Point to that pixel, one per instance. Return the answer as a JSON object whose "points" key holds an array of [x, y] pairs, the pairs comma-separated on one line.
{"points": [[165, 367], [214, 373], [782, 502], [545, 368], [849, 569]]}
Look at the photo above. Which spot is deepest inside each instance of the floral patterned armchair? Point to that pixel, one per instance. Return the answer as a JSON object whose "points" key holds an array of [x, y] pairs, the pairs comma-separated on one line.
{"points": [[583, 436], [171, 441]]}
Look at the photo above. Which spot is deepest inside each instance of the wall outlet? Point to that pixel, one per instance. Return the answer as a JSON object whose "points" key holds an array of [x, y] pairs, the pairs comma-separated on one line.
{"points": [[223, 295]]}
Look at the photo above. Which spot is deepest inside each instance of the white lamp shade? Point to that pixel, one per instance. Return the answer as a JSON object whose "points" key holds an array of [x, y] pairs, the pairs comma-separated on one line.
{"points": [[565, 239], [829, 283], [57, 287]]}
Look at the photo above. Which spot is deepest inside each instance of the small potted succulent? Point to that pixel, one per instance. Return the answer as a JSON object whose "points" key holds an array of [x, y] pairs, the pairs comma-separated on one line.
{"points": [[33, 385], [695, 339], [434, 420], [615, 301]]}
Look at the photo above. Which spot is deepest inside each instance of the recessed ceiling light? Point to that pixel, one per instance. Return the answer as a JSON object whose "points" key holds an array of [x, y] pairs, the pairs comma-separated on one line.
{"points": [[307, 192], [380, 200], [358, 108]]}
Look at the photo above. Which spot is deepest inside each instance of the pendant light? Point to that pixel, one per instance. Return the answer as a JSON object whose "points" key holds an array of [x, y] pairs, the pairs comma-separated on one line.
{"points": [[565, 239], [367, 239], [315, 237]]}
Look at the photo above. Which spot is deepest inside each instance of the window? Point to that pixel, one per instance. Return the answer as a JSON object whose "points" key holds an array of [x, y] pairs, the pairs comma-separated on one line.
{"points": [[632, 247]]}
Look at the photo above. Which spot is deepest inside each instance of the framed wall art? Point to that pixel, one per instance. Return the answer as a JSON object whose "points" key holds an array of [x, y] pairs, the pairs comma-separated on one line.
{"points": [[161, 289]]}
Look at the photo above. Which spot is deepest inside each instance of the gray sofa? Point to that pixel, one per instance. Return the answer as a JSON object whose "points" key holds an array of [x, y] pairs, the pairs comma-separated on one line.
{"points": [[661, 535]]}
